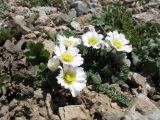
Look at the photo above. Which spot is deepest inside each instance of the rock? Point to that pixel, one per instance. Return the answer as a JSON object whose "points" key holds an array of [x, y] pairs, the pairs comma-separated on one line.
{"points": [[13, 104], [20, 23], [29, 36], [41, 118], [81, 7], [89, 28], [19, 10], [49, 45], [153, 16], [27, 108], [105, 2], [100, 104], [74, 112], [38, 94], [47, 10], [9, 44], [156, 97], [50, 29], [6, 117], [43, 19], [75, 25], [25, 91], [41, 103], [50, 108], [135, 80], [67, 18], [43, 111], [54, 16], [20, 118], [3, 111], [110, 117], [35, 111], [19, 46], [124, 87], [142, 109], [83, 20]]}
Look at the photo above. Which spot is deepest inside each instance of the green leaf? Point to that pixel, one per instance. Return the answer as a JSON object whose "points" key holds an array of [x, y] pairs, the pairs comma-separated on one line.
{"points": [[36, 53], [94, 78], [69, 33]]}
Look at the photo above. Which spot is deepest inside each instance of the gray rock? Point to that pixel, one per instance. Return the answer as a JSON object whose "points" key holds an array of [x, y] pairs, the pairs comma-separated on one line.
{"points": [[142, 109], [88, 28], [67, 17], [20, 118], [50, 108], [106, 2], [156, 97], [43, 111], [136, 80], [101, 104], [43, 19], [25, 91], [80, 7], [124, 87], [20, 23], [75, 25], [47, 10], [3, 111], [153, 16], [41, 103], [112, 117], [74, 112], [6, 117], [38, 94], [13, 104]]}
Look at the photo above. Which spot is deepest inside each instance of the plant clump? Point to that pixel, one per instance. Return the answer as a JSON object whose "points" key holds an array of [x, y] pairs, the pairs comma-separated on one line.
{"points": [[144, 36]]}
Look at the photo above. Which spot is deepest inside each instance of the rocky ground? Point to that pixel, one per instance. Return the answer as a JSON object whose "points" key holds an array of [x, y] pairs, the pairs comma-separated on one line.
{"points": [[23, 102]]}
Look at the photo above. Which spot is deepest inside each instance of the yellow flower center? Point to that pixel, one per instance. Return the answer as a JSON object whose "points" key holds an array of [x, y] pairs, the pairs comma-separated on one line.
{"points": [[92, 41], [117, 44], [68, 42], [67, 57], [54, 65], [69, 77]]}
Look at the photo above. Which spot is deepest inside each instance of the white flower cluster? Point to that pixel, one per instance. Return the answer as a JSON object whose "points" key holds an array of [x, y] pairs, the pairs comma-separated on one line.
{"points": [[68, 59]]}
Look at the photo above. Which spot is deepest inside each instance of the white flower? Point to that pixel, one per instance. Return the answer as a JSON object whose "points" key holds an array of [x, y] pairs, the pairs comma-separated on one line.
{"points": [[53, 63], [69, 56], [68, 42], [72, 78], [118, 41], [92, 39]]}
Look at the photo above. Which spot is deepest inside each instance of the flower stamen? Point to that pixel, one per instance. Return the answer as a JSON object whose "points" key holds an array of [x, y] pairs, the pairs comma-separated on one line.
{"points": [[92, 41], [117, 43], [67, 57], [69, 77]]}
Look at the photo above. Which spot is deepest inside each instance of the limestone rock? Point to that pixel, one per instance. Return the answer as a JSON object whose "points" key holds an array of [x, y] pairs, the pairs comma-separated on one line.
{"points": [[80, 6], [47, 10], [43, 19], [136, 79], [153, 16], [67, 18], [20, 118], [142, 109], [20, 23], [100, 104], [3, 111], [75, 25], [74, 112]]}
